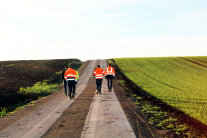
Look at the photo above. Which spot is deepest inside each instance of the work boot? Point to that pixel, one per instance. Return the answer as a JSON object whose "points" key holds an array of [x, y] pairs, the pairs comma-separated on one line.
{"points": [[73, 96], [70, 96]]}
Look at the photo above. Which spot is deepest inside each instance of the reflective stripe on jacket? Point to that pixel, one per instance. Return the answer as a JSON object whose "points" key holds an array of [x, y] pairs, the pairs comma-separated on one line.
{"points": [[70, 74], [98, 73], [109, 71]]}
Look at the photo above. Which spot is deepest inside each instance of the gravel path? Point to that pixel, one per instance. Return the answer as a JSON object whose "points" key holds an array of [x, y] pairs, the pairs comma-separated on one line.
{"points": [[106, 118]]}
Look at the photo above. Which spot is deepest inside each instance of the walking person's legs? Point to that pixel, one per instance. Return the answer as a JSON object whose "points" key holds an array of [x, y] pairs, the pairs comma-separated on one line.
{"points": [[108, 83], [69, 88], [65, 86], [75, 83], [73, 88], [97, 86], [111, 84], [100, 85]]}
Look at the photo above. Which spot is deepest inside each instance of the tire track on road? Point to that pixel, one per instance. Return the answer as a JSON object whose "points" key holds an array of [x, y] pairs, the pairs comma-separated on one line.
{"points": [[106, 118], [72, 121]]}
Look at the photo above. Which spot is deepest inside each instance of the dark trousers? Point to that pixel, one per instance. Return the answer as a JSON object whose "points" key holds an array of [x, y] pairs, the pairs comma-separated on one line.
{"points": [[98, 84], [75, 85], [109, 81], [71, 87], [65, 86]]}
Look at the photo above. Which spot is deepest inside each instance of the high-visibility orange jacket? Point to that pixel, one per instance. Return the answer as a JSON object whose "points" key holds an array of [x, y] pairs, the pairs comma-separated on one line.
{"points": [[109, 71], [70, 74], [98, 73]]}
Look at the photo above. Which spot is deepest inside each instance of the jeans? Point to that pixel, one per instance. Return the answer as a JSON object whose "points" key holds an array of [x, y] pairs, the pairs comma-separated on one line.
{"points": [[71, 89], [65, 86], [98, 84], [109, 81]]}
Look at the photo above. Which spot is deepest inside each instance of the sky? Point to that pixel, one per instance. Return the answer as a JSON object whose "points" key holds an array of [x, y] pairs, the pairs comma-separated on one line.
{"points": [[99, 29]]}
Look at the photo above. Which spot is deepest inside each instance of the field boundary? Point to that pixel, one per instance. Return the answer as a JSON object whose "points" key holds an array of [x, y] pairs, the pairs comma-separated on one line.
{"points": [[198, 127], [192, 61]]}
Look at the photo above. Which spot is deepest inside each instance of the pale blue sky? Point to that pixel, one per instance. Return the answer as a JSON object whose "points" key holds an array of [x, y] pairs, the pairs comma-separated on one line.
{"points": [[42, 29]]}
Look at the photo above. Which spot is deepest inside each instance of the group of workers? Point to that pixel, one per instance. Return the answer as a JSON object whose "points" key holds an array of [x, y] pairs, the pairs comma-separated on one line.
{"points": [[99, 74], [71, 76]]}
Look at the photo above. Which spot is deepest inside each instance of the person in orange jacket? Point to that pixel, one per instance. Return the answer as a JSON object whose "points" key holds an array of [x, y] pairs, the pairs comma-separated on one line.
{"points": [[99, 74], [70, 77], [109, 74]]}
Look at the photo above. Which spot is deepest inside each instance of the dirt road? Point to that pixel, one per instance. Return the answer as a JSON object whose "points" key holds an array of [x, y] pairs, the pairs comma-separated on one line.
{"points": [[106, 118], [89, 115], [38, 122]]}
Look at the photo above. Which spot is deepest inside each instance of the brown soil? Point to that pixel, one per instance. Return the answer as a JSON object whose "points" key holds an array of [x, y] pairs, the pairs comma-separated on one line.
{"points": [[137, 120], [197, 127], [28, 72], [72, 122], [14, 117]]}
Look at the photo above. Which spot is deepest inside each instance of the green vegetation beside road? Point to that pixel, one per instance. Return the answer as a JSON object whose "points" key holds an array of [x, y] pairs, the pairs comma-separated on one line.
{"points": [[39, 89], [3, 112], [179, 82]]}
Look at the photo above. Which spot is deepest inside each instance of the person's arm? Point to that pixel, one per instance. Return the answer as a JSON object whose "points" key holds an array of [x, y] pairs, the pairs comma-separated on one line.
{"points": [[75, 74], [105, 72], [113, 71], [94, 73], [65, 75]]}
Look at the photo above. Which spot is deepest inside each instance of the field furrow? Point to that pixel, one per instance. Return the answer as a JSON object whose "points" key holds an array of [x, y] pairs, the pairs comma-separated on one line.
{"points": [[179, 82]]}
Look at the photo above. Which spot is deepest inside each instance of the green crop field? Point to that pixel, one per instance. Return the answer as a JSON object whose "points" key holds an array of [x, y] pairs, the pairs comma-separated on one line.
{"points": [[179, 82]]}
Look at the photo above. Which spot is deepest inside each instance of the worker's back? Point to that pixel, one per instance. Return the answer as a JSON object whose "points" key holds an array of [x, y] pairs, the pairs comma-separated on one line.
{"points": [[98, 73], [70, 74], [109, 71]]}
